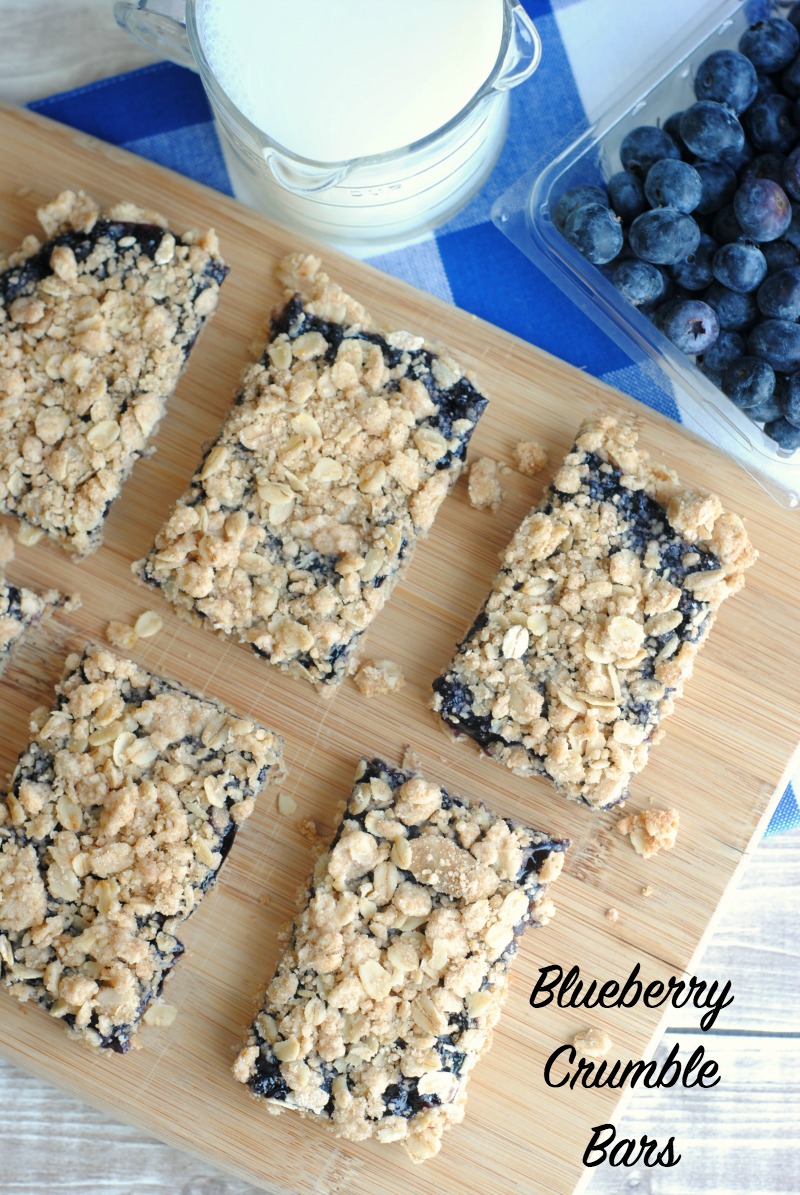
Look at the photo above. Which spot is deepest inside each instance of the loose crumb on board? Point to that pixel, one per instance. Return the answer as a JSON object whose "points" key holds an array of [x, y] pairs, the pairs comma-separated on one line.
{"points": [[160, 1016], [648, 890], [651, 831], [411, 762], [6, 548], [286, 804], [307, 828], [531, 457], [28, 536], [376, 677], [612, 915], [148, 624], [121, 635], [592, 1043], [483, 484]]}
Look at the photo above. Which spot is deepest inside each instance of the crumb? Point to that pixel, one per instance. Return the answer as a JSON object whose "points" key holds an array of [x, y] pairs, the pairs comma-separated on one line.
{"points": [[612, 915], [160, 1015], [411, 762], [531, 457], [148, 624], [376, 677], [121, 635], [307, 828], [28, 536], [286, 804], [6, 548], [651, 831], [263, 899], [648, 890], [483, 486], [592, 1043]]}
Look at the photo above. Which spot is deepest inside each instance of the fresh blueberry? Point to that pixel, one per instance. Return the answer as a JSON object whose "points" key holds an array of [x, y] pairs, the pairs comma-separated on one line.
{"points": [[791, 400], [766, 411], [740, 266], [793, 15], [672, 126], [690, 324], [727, 77], [779, 255], [643, 146], [641, 283], [695, 272], [718, 183], [792, 234], [725, 227], [670, 183], [769, 123], [791, 173], [711, 130], [779, 295], [574, 198], [770, 45], [735, 311], [748, 382], [784, 433], [764, 166], [790, 79], [595, 232], [725, 349], [776, 341], [763, 209], [663, 236], [626, 195]]}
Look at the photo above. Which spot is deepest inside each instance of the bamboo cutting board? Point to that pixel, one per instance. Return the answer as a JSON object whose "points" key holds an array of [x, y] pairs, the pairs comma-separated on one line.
{"points": [[721, 763]]}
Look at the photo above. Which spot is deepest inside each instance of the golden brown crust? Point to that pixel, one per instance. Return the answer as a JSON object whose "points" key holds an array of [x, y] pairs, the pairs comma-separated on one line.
{"points": [[118, 818], [396, 969], [593, 624], [335, 458], [95, 326]]}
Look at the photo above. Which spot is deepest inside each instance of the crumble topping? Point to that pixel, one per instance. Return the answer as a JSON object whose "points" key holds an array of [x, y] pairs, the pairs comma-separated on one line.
{"points": [[592, 626], [6, 549], [483, 484], [95, 326], [651, 831], [592, 1043], [125, 637], [339, 450], [531, 457], [19, 609], [119, 816], [396, 968], [378, 677]]}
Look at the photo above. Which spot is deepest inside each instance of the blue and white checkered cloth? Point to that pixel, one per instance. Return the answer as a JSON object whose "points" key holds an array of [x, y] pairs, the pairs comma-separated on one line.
{"points": [[161, 113]]}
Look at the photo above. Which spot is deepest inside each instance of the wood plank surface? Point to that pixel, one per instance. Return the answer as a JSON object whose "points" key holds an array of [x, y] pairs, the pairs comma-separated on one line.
{"points": [[720, 764]]}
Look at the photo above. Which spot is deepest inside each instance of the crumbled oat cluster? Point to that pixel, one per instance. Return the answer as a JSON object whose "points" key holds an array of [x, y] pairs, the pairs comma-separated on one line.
{"points": [[396, 969], [19, 609], [335, 457], [118, 818], [592, 1043], [483, 485], [651, 831], [593, 624], [375, 678], [95, 326], [531, 457]]}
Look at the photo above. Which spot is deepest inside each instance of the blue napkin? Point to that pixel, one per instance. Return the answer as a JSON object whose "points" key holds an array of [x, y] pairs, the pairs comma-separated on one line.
{"points": [[161, 113]]}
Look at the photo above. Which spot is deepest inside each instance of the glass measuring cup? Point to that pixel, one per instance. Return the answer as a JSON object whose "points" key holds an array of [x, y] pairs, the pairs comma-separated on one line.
{"points": [[367, 203]]}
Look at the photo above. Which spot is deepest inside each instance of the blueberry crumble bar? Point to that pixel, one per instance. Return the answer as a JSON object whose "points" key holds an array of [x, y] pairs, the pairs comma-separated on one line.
{"points": [[119, 816], [592, 626], [95, 327], [19, 609], [336, 456], [397, 966]]}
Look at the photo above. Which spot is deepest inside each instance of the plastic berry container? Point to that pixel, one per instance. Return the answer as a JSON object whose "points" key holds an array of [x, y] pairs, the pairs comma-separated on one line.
{"points": [[523, 214]]}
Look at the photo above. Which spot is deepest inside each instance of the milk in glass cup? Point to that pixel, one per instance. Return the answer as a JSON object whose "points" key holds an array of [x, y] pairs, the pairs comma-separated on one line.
{"points": [[360, 122]]}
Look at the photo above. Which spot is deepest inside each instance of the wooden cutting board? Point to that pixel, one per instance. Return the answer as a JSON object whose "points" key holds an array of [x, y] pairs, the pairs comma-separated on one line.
{"points": [[722, 762]]}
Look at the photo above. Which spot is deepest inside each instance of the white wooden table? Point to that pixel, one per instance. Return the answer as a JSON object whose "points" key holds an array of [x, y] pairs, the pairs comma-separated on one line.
{"points": [[743, 1136]]}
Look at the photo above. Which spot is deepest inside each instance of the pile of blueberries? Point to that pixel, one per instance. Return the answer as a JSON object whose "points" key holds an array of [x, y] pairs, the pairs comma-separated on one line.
{"points": [[701, 228]]}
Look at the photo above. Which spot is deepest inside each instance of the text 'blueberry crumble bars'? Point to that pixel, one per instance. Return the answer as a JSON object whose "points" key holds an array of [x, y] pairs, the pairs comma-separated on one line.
{"points": [[20, 608], [95, 327], [119, 816], [397, 967], [336, 456], [593, 624]]}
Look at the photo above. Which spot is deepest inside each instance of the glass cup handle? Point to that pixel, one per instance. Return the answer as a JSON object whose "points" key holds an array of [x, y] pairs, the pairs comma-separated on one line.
{"points": [[524, 51], [160, 25]]}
